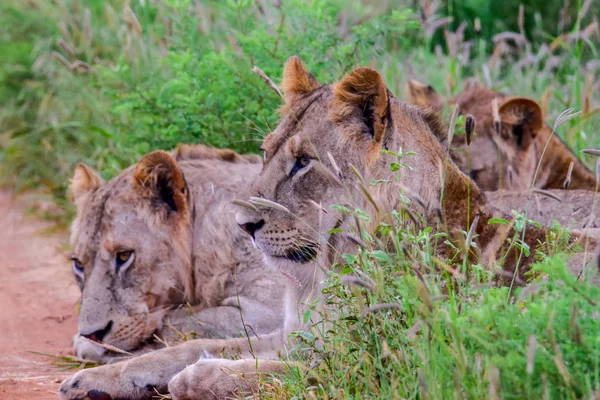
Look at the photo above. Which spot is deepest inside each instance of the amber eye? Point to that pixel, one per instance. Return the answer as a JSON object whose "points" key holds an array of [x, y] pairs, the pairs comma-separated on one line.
{"points": [[77, 267], [301, 162], [124, 259]]}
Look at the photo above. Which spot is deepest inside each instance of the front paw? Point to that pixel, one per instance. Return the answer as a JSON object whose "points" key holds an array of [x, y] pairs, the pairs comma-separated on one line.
{"points": [[213, 379], [93, 384]]}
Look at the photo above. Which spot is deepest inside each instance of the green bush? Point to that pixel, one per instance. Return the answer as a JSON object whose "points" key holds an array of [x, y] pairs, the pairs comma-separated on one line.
{"points": [[118, 85], [106, 83]]}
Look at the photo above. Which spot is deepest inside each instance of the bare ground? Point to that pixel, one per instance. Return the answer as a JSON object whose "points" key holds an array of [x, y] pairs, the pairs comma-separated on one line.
{"points": [[38, 299]]}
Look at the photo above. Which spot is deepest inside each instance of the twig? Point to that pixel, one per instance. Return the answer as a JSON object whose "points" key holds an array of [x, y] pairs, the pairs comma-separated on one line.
{"points": [[268, 81]]}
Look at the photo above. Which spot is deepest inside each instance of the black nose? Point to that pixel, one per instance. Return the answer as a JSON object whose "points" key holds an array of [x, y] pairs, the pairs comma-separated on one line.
{"points": [[99, 334], [252, 227]]}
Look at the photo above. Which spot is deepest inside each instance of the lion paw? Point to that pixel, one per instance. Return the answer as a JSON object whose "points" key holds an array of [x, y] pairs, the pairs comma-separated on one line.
{"points": [[84, 385], [207, 379]]}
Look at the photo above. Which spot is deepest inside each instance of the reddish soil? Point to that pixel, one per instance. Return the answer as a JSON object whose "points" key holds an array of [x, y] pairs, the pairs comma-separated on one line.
{"points": [[38, 298]]}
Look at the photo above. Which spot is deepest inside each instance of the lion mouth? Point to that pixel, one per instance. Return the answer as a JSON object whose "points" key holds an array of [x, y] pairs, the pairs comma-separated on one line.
{"points": [[301, 254]]}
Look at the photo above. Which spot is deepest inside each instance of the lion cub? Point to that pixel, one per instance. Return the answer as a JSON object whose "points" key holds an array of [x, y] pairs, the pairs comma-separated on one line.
{"points": [[157, 251], [510, 139]]}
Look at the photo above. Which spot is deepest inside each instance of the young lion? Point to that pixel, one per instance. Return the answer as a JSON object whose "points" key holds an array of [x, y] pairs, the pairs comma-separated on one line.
{"points": [[327, 137], [158, 243], [507, 159], [574, 209]]}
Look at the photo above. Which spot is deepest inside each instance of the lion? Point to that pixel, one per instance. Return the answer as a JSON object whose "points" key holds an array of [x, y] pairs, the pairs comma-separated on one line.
{"points": [[574, 209], [507, 147], [330, 141], [155, 252]]}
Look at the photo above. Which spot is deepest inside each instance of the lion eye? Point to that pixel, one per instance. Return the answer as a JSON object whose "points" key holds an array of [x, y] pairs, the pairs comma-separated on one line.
{"points": [[301, 162], [77, 267], [124, 259]]}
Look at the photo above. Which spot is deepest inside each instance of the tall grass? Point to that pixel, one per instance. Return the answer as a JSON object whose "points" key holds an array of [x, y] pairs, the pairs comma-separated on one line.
{"points": [[105, 81]]}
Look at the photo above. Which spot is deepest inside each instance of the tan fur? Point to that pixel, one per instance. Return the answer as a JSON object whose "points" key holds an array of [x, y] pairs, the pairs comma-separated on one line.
{"points": [[85, 181], [350, 93], [508, 159], [160, 168], [423, 96], [296, 81], [200, 152], [194, 270], [293, 223], [574, 209]]}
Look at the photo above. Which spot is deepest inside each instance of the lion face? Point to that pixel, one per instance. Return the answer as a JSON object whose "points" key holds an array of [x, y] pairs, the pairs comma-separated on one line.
{"points": [[504, 152], [299, 175], [130, 240], [324, 153], [510, 141]]}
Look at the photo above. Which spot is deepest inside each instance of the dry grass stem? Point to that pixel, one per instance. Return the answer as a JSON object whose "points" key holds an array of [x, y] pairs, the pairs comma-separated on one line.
{"points": [[268, 81]]}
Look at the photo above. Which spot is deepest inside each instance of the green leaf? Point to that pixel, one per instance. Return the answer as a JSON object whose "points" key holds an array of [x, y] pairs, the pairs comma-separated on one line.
{"points": [[346, 271], [341, 208], [500, 221], [380, 255], [349, 258], [306, 316]]}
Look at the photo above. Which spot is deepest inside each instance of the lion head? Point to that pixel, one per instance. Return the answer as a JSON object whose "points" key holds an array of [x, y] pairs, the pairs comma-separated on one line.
{"points": [[331, 142], [131, 249], [511, 141]]}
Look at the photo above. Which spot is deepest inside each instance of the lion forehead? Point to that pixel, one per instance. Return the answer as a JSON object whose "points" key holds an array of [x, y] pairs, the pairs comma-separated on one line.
{"points": [[110, 209], [303, 116]]}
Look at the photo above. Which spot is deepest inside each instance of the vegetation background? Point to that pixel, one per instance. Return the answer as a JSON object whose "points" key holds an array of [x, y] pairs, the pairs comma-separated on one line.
{"points": [[104, 81]]}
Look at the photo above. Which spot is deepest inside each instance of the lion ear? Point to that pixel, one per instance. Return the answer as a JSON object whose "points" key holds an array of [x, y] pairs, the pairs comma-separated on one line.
{"points": [[523, 118], [362, 96], [158, 176], [471, 84], [423, 95], [85, 180], [297, 81]]}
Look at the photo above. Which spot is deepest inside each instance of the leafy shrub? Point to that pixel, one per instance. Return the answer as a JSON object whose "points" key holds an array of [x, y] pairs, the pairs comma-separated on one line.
{"points": [[105, 87], [409, 330]]}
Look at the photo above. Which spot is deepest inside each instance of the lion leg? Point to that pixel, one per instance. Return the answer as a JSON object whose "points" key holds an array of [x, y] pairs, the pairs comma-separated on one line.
{"points": [[224, 321], [138, 378], [218, 379]]}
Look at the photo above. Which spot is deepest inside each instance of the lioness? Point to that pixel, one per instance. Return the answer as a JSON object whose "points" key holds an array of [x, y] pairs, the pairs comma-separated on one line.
{"points": [[327, 145], [574, 209], [507, 159], [156, 250]]}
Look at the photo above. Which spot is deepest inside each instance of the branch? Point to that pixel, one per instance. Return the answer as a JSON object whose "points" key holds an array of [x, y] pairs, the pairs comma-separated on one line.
{"points": [[268, 81]]}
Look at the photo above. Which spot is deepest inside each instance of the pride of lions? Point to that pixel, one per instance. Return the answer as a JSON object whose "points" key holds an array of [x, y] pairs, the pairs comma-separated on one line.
{"points": [[160, 257]]}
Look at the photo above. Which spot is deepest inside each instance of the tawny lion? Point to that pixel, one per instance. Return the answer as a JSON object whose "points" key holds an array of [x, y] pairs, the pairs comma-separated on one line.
{"points": [[156, 252], [327, 145]]}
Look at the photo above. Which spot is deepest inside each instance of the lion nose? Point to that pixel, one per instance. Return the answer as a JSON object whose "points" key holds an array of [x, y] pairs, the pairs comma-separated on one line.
{"points": [[251, 227], [98, 335]]}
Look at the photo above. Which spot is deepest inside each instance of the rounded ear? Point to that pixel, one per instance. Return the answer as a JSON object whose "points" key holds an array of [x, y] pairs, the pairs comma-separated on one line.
{"points": [[523, 117], [362, 95], [158, 176], [423, 95], [85, 180], [297, 81], [472, 83]]}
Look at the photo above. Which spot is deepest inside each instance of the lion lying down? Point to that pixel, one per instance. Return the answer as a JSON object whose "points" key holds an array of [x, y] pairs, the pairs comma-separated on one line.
{"points": [[326, 146], [156, 251], [507, 158]]}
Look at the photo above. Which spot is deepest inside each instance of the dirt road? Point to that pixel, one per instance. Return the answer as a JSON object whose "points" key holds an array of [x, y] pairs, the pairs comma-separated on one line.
{"points": [[37, 304]]}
